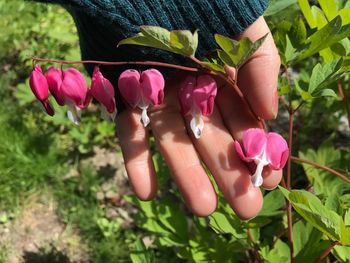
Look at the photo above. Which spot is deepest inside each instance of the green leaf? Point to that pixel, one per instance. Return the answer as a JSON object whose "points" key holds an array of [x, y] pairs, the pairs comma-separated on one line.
{"points": [[321, 73], [342, 253], [185, 41], [325, 93], [325, 37], [321, 20], [276, 6], [313, 211], [347, 218], [298, 33], [279, 253], [290, 51], [223, 223], [141, 254], [324, 183], [345, 15], [306, 10], [329, 7], [273, 202], [236, 53], [181, 42]]}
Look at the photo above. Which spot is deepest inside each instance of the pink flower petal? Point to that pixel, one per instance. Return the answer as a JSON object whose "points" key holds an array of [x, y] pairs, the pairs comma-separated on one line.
{"points": [[54, 79], [254, 142], [38, 84], [74, 87], [102, 90], [204, 94], [186, 94], [152, 85], [277, 150], [129, 87]]}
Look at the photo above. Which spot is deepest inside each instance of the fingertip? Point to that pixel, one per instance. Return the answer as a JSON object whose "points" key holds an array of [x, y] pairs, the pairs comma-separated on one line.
{"points": [[205, 203], [248, 206], [271, 178]]}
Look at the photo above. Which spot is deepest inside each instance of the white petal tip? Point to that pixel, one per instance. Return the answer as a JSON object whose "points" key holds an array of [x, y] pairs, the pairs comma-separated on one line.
{"points": [[197, 126], [144, 117], [105, 115], [257, 181], [74, 114]]}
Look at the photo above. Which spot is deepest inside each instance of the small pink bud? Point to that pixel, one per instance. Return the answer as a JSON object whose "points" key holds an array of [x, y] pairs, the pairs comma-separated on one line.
{"points": [[197, 95], [103, 91], [142, 90], [40, 88], [264, 149]]}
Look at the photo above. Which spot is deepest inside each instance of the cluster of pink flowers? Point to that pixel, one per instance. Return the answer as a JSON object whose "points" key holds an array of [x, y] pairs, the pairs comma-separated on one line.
{"points": [[144, 89]]}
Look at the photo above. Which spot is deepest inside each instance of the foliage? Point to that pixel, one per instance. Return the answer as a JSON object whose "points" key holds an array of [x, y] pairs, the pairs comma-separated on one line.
{"points": [[37, 152]]}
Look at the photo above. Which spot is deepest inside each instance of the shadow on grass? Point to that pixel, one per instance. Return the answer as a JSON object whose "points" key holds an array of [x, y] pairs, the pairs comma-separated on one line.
{"points": [[52, 256]]}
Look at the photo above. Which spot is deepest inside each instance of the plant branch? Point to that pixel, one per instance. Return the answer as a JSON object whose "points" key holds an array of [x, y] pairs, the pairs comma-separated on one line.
{"points": [[344, 98], [327, 251], [255, 247], [120, 63], [289, 169], [319, 166]]}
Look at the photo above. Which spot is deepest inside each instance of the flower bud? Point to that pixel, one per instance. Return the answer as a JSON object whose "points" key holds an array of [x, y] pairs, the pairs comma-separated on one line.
{"points": [[264, 149], [142, 90], [197, 95], [40, 89], [103, 91]]}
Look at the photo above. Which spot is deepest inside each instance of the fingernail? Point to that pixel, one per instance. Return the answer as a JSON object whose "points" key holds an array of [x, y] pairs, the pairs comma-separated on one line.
{"points": [[275, 104]]}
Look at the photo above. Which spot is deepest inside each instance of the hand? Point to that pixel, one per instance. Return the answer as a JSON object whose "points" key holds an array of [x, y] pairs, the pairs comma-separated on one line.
{"points": [[257, 80]]}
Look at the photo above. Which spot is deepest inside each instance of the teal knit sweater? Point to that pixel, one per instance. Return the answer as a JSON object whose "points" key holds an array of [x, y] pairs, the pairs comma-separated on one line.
{"points": [[102, 24]]}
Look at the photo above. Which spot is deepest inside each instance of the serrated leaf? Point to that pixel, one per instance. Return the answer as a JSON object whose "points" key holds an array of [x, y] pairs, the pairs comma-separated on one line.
{"points": [[329, 7], [321, 20], [290, 51], [321, 73], [312, 210], [325, 37], [306, 10], [236, 53], [181, 42]]}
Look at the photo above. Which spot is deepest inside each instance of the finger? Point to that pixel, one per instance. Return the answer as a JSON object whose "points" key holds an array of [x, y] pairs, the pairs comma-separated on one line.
{"points": [[180, 155], [134, 143], [237, 118], [258, 77], [216, 147]]}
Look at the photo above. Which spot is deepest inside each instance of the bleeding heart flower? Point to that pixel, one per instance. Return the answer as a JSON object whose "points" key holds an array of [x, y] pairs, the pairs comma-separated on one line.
{"points": [[103, 91], [40, 89], [69, 88], [142, 89], [264, 149], [197, 96]]}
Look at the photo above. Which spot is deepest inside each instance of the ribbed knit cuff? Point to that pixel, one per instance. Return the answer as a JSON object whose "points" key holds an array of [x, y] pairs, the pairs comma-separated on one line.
{"points": [[246, 12]]}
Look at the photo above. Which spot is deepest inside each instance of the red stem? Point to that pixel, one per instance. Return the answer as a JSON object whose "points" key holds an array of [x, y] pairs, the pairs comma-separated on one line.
{"points": [[319, 166], [326, 252], [120, 63], [289, 171]]}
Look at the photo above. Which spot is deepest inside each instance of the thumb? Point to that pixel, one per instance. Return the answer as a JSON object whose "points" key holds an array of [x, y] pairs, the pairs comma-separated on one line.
{"points": [[257, 79]]}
